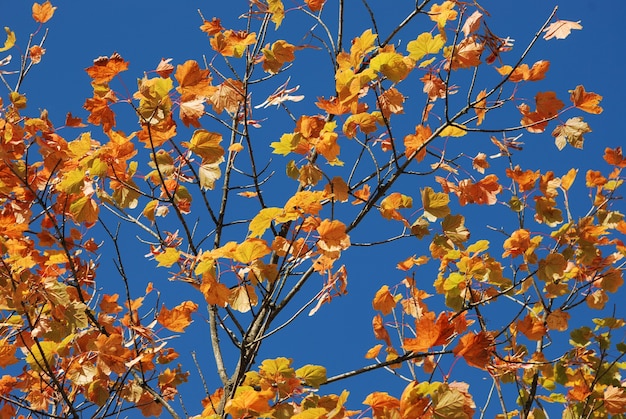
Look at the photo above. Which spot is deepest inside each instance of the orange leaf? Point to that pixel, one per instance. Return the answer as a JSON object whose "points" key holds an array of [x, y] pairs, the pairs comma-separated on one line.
{"points": [[384, 301], [557, 320], [476, 349], [179, 317], [382, 403], [194, 81], [100, 112], [586, 101], [481, 107], [315, 5], [380, 332], [373, 351], [104, 69], [212, 27], [614, 156], [415, 144], [390, 205], [43, 12], [560, 29], [480, 163], [526, 180], [532, 327], [615, 400], [333, 237], [214, 292], [164, 69]]}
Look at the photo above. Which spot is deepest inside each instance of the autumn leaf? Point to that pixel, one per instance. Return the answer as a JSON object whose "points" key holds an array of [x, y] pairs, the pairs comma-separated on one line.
{"points": [[476, 349], [425, 44], [615, 400], [614, 156], [248, 401], [525, 179], [472, 23], [392, 65], [193, 81], [281, 52], [586, 101], [480, 163], [523, 72], [315, 5], [558, 320], [382, 404], [464, 55], [277, 9], [164, 68], [104, 69], [571, 132], [312, 375], [43, 12], [532, 327], [560, 29], [441, 13], [250, 250], [435, 204], [332, 236], [7, 353], [206, 145], [179, 317], [383, 301], [10, 41], [243, 298], [380, 332], [390, 205], [169, 257], [415, 143]]}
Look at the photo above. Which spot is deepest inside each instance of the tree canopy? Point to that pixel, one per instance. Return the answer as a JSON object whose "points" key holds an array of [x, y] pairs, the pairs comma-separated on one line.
{"points": [[186, 217]]}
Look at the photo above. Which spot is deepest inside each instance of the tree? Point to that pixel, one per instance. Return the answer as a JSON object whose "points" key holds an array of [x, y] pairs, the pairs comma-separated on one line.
{"points": [[245, 228]]}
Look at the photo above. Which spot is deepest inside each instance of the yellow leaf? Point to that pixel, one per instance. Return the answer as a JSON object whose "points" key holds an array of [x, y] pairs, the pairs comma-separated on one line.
{"points": [[206, 145], [312, 375], [425, 44], [361, 46], [8, 44], [250, 250], [286, 144], [243, 298], [85, 209], [263, 220], [168, 258], [456, 130], [435, 204], [37, 353], [277, 9], [568, 179], [392, 65]]}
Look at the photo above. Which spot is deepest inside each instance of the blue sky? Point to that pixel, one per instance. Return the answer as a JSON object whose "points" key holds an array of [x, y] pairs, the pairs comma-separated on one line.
{"points": [[143, 32]]}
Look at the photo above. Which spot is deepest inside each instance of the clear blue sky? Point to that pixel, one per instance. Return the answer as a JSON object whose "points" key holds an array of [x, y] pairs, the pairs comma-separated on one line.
{"points": [[143, 32]]}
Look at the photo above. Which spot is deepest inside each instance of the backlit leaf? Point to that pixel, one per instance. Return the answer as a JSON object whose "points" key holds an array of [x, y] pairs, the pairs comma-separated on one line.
{"points": [[560, 29], [169, 257], [312, 375], [178, 318], [10, 41], [425, 44], [586, 101], [43, 12]]}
